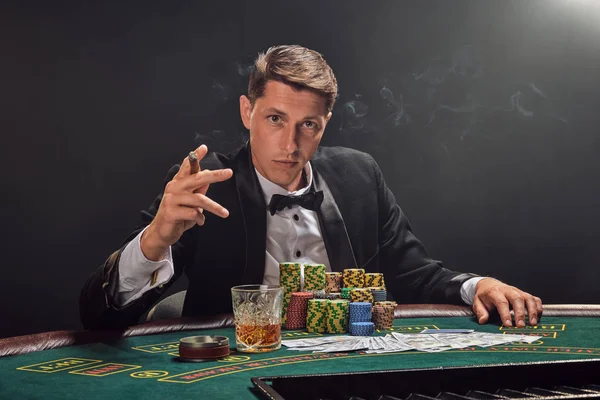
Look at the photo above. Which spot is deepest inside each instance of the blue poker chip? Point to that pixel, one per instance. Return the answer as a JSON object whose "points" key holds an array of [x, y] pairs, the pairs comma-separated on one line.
{"points": [[362, 328], [360, 312], [360, 305]]}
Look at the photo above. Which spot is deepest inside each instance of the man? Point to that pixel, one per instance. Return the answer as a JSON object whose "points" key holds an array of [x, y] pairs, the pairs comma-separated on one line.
{"points": [[233, 221]]}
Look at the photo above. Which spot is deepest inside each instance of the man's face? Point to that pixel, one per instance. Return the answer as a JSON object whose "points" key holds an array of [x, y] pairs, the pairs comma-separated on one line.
{"points": [[286, 126]]}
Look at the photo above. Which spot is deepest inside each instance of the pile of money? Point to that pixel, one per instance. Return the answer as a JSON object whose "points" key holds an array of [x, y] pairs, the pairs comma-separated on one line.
{"points": [[395, 342]]}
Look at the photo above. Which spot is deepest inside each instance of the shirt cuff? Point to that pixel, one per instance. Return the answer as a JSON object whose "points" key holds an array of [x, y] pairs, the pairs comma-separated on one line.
{"points": [[468, 289], [137, 274]]}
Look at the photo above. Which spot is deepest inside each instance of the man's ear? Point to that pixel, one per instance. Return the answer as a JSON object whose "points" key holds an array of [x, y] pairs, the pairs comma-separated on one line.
{"points": [[245, 110], [327, 118]]}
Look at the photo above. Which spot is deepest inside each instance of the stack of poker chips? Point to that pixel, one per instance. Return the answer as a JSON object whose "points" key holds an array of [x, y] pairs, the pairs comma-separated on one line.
{"points": [[361, 295], [337, 316], [316, 316], [359, 320], [289, 279], [333, 282], [354, 277], [383, 314], [379, 293], [314, 277], [346, 293], [296, 311], [374, 279]]}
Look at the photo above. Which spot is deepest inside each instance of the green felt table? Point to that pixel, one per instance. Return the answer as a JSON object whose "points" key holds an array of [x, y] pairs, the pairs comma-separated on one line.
{"points": [[148, 366]]}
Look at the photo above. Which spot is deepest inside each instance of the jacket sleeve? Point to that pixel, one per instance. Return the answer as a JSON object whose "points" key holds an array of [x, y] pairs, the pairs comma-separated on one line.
{"points": [[415, 277], [96, 306]]}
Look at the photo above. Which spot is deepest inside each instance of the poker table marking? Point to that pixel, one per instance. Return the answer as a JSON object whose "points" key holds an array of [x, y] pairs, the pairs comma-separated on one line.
{"points": [[537, 328], [158, 347], [62, 364], [545, 335], [149, 374], [105, 369], [525, 348]]}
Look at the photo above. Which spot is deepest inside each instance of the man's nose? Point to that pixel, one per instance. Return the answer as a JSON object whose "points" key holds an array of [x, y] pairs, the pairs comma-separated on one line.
{"points": [[288, 140]]}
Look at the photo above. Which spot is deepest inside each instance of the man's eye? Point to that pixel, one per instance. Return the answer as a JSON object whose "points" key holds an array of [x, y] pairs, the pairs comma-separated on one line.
{"points": [[310, 124], [274, 118]]}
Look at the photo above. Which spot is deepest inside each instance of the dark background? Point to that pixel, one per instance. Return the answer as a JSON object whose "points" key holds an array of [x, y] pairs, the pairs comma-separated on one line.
{"points": [[483, 115]]}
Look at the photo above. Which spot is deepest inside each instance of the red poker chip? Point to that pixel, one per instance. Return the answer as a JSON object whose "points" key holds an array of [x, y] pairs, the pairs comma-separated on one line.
{"points": [[298, 303], [296, 314], [296, 322]]}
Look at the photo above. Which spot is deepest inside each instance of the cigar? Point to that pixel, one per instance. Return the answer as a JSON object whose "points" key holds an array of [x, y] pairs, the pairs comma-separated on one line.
{"points": [[194, 165]]}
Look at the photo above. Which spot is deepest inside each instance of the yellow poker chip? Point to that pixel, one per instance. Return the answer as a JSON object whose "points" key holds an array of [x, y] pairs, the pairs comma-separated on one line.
{"points": [[354, 277]]}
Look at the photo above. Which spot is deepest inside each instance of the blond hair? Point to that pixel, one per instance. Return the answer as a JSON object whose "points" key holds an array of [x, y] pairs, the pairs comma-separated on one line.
{"points": [[294, 65]]}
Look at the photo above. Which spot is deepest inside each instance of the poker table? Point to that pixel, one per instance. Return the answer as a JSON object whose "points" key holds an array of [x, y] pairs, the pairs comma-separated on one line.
{"points": [[142, 361]]}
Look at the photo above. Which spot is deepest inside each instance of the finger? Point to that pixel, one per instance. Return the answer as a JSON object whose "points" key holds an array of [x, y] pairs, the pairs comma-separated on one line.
{"points": [[540, 307], [481, 311], [203, 203], [202, 189], [201, 219], [517, 301], [184, 169], [203, 178], [532, 311], [182, 213], [213, 207], [502, 305]]}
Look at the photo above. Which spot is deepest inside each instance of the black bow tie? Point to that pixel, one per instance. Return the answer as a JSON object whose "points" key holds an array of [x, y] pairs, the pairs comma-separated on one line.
{"points": [[310, 201]]}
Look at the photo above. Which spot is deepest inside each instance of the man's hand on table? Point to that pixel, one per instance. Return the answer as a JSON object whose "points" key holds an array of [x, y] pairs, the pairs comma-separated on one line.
{"points": [[492, 294]]}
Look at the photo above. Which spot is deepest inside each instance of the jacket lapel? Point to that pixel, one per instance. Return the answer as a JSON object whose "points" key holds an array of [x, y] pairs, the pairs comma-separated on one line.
{"points": [[335, 235], [253, 208]]}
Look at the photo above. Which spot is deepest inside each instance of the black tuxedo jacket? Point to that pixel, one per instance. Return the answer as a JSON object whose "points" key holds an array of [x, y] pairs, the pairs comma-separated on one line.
{"points": [[362, 227]]}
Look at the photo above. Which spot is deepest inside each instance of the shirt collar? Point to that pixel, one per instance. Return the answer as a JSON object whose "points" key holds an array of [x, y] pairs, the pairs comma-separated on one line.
{"points": [[269, 188]]}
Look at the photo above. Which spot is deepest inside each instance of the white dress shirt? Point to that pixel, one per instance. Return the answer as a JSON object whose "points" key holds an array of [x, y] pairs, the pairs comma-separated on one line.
{"points": [[293, 235]]}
